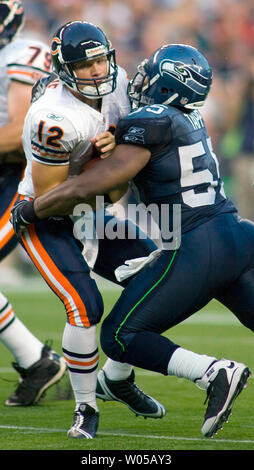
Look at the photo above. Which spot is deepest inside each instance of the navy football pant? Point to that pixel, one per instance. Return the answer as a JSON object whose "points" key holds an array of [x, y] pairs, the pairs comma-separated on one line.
{"points": [[57, 254], [10, 176], [215, 260]]}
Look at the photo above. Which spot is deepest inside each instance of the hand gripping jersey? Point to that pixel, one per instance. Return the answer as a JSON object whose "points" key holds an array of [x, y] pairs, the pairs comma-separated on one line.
{"points": [[58, 126], [183, 168], [22, 60]]}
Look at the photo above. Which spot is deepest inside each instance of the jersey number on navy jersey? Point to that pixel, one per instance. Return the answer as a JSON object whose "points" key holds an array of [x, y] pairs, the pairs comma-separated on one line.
{"points": [[189, 177]]}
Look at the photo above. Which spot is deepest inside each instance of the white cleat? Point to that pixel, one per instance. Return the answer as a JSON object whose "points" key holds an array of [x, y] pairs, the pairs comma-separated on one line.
{"points": [[224, 380]]}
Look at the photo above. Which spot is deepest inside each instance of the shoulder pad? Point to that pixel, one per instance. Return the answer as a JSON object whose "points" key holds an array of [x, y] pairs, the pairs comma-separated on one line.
{"points": [[146, 126], [39, 87]]}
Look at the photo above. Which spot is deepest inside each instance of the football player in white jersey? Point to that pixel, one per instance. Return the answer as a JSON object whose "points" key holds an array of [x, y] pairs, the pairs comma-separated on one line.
{"points": [[22, 62], [84, 98]]}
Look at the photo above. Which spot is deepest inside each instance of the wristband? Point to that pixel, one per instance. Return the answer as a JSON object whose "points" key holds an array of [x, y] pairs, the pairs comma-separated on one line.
{"points": [[28, 212]]}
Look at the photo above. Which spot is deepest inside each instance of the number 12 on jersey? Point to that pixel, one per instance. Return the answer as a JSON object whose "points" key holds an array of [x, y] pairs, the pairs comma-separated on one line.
{"points": [[51, 140]]}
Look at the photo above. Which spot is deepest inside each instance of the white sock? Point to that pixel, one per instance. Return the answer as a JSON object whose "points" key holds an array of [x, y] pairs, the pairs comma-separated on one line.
{"points": [[189, 365], [82, 357], [117, 370], [24, 346]]}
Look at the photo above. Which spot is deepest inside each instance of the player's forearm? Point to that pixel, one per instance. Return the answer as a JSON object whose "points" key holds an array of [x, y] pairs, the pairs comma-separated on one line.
{"points": [[59, 201], [63, 199], [82, 189], [107, 175], [11, 137]]}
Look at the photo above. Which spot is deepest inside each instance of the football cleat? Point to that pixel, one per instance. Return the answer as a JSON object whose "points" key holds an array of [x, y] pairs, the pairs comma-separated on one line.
{"points": [[127, 392], [224, 380], [85, 422], [35, 380]]}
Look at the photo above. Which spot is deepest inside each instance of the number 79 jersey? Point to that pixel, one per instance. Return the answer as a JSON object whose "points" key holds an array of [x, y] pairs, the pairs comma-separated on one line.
{"points": [[25, 61], [183, 168]]}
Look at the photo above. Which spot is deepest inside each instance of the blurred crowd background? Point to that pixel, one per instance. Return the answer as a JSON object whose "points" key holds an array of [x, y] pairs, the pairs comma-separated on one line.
{"points": [[222, 30]]}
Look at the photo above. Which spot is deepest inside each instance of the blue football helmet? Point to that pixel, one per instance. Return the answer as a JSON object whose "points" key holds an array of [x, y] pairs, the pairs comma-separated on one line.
{"points": [[11, 20], [175, 74], [79, 41]]}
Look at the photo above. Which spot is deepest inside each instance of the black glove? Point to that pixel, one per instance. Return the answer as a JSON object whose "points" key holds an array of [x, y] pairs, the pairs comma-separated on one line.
{"points": [[22, 215]]}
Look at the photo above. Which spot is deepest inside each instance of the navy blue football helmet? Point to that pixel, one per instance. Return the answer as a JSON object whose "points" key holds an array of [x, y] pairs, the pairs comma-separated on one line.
{"points": [[11, 20], [78, 41], [175, 74]]}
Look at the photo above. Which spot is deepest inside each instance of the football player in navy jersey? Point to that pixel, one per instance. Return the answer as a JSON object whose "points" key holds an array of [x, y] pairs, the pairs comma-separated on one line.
{"points": [[164, 148]]}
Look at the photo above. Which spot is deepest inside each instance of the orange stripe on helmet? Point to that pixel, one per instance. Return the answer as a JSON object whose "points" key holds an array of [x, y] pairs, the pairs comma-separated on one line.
{"points": [[58, 41]]}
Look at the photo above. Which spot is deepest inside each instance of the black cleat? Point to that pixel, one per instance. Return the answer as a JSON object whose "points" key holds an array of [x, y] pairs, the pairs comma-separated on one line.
{"points": [[224, 380], [127, 392], [85, 422], [35, 380]]}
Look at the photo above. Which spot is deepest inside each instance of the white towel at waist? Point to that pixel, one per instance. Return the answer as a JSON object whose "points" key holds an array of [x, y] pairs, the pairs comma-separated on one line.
{"points": [[132, 266]]}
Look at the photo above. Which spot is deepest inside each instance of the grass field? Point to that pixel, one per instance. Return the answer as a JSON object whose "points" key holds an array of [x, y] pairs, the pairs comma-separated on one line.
{"points": [[43, 427]]}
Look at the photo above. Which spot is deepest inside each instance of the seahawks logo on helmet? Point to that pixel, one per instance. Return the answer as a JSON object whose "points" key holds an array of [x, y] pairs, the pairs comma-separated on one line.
{"points": [[185, 75]]}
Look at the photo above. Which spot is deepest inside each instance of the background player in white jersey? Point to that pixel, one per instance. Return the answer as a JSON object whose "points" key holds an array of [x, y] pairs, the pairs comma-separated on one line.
{"points": [[22, 62], [84, 98]]}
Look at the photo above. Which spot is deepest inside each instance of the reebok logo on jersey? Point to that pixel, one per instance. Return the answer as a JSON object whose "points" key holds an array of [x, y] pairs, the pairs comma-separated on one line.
{"points": [[135, 134], [55, 117]]}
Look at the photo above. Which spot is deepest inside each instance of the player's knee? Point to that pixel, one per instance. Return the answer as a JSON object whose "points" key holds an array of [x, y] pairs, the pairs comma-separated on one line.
{"points": [[87, 312], [111, 346], [95, 309]]}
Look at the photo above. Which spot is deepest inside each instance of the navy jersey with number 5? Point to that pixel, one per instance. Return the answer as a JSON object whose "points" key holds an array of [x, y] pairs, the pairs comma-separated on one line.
{"points": [[183, 168]]}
